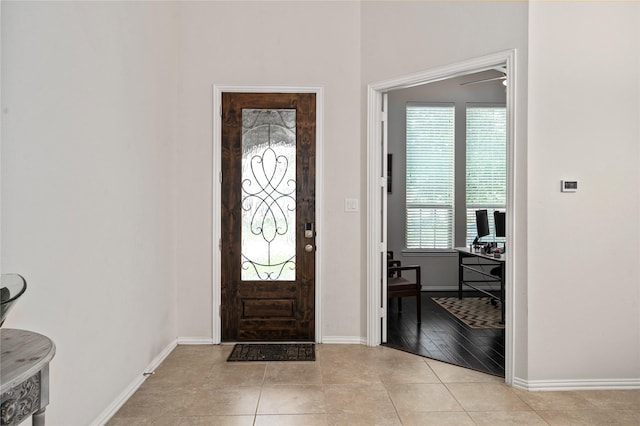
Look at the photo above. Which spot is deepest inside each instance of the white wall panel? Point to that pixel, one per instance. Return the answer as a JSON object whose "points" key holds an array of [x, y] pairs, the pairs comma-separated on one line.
{"points": [[584, 106], [88, 102]]}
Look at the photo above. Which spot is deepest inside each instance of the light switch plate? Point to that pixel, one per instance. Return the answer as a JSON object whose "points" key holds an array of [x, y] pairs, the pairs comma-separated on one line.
{"points": [[351, 205]]}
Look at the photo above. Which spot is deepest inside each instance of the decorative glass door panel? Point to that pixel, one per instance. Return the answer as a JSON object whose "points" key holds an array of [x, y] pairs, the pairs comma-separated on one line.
{"points": [[268, 245]]}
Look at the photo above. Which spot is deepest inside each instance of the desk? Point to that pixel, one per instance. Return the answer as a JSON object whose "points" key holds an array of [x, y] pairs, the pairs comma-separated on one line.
{"points": [[477, 268], [24, 376]]}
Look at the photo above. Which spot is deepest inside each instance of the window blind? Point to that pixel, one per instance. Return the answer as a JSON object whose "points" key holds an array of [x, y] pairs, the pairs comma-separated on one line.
{"points": [[486, 168], [430, 175]]}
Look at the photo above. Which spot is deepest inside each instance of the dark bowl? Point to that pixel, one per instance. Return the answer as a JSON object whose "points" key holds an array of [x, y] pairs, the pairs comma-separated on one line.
{"points": [[12, 286]]}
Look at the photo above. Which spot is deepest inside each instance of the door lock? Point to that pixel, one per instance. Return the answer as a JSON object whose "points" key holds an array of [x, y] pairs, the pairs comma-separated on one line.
{"points": [[308, 230]]}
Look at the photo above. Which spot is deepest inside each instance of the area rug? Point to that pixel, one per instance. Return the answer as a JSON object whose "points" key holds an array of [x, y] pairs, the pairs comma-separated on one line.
{"points": [[273, 352], [476, 312]]}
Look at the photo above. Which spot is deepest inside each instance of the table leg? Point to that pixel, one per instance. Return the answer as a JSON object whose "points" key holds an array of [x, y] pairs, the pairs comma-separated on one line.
{"points": [[460, 276], [37, 419], [502, 271]]}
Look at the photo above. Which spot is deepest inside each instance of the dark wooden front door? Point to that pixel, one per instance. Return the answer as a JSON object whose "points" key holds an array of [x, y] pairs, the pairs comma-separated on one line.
{"points": [[268, 216]]}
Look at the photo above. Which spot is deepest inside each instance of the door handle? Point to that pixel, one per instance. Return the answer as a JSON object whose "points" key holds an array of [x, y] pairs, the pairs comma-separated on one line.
{"points": [[308, 248]]}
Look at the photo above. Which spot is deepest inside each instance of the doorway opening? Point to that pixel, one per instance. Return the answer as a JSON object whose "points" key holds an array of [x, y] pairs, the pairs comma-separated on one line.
{"points": [[377, 219]]}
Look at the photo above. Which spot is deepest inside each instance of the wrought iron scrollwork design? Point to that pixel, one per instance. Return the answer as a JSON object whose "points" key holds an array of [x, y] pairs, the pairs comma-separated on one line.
{"points": [[269, 192]]}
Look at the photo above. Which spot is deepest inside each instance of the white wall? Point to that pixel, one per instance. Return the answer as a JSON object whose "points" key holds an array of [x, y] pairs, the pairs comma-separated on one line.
{"points": [[270, 43], [584, 248], [425, 35], [441, 267], [88, 100]]}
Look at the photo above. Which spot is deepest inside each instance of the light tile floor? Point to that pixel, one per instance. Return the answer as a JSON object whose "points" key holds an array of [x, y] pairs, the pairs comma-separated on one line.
{"points": [[353, 385]]}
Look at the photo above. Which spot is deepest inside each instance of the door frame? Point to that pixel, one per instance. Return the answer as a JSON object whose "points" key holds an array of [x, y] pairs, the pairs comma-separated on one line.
{"points": [[376, 193], [217, 196]]}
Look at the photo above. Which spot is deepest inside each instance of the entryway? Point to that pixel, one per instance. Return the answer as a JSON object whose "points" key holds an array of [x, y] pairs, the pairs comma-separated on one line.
{"points": [[377, 195]]}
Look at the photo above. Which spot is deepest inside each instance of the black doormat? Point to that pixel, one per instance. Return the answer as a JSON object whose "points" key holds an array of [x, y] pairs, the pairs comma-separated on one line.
{"points": [[273, 352]]}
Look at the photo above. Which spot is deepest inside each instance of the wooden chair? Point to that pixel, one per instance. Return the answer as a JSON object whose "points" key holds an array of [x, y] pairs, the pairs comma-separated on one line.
{"points": [[407, 285], [391, 262]]}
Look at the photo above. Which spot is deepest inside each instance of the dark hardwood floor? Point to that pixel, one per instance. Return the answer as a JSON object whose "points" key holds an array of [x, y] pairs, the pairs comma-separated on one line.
{"points": [[444, 337]]}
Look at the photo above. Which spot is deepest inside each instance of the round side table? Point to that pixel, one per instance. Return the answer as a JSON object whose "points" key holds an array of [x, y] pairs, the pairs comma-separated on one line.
{"points": [[24, 376]]}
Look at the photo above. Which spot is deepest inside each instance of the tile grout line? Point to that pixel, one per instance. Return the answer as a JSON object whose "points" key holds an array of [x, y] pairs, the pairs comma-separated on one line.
{"points": [[391, 399], [255, 413], [531, 409]]}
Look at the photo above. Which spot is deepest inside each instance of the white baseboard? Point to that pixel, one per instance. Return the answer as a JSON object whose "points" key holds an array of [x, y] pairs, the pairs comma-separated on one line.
{"points": [[340, 340], [344, 340], [580, 384], [113, 408], [195, 341]]}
